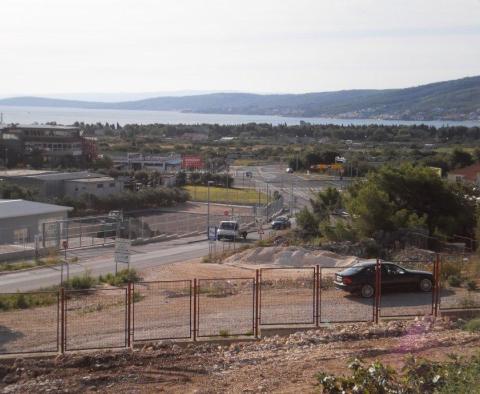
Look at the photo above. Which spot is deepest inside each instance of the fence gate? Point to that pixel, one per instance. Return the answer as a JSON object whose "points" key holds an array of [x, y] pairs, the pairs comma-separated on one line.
{"points": [[96, 319], [287, 296], [225, 307], [339, 306], [162, 310]]}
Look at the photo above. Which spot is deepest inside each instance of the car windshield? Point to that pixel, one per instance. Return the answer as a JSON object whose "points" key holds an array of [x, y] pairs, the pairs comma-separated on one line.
{"points": [[229, 226]]}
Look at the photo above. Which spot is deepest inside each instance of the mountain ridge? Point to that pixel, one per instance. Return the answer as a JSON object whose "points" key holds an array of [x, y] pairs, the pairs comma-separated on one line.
{"points": [[448, 100]]}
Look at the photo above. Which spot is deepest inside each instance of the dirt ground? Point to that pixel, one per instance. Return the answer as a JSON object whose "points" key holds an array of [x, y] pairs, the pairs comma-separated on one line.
{"points": [[273, 364]]}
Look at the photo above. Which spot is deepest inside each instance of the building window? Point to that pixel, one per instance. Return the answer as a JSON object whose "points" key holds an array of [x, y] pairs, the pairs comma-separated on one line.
{"points": [[112, 184], [99, 185]]}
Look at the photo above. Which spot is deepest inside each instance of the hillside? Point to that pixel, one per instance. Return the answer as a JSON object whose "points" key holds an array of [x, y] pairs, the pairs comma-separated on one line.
{"points": [[449, 100]]}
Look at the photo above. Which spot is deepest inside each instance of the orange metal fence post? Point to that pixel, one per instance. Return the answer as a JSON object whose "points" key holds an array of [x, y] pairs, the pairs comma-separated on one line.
{"points": [[257, 294], [437, 283], [195, 309], [317, 295], [378, 283], [129, 315], [62, 320]]}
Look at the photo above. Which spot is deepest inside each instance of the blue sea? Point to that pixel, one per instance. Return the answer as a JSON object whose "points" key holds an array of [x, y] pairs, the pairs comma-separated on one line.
{"points": [[66, 116]]}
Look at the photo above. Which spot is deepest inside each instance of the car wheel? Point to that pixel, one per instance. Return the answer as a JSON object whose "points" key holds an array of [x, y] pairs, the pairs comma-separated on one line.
{"points": [[367, 291], [426, 285]]}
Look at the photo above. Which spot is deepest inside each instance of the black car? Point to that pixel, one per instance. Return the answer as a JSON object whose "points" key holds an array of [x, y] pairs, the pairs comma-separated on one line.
{"points": [[281, 223], [360, 278]]}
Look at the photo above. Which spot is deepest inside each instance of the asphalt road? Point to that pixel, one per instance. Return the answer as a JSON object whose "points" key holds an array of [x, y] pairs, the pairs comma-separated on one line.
{"points": [[302, 186], [100, 261]]}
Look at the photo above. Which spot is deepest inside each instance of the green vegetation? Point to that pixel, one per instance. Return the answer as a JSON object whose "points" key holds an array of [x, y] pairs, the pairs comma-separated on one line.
{"points": [[224, 333], [390, 202], [26, 301], [454, 281], [48, 296], [473, 325], [460, 375], [43, 262], [230, 195], [145, 198]]}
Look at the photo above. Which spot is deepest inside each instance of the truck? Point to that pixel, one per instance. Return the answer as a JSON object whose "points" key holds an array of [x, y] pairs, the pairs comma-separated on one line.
{"points": [[231, 230]]}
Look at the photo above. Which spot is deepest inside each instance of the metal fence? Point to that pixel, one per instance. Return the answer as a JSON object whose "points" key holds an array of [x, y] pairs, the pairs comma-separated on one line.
{"points": [[225, 307], [162, 310], [287, 296], [67, 320], [95, 319], [29, 322]]}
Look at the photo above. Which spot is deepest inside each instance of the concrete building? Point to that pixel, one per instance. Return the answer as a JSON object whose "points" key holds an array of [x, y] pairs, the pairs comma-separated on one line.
{"points": [[99, 187], [140, 161], [21, 220], [53, 184], [54, 142]]}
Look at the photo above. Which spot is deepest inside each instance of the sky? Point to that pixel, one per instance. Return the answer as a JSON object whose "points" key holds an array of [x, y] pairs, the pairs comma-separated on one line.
{"points": [[67, 47]]}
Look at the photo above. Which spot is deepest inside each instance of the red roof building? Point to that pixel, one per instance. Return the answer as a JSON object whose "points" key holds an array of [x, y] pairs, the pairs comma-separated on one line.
{"points": [[470, 174]]}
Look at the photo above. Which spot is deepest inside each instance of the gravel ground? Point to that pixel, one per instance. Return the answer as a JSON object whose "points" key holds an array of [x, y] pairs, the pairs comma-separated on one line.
{"points": [[273, 364]]}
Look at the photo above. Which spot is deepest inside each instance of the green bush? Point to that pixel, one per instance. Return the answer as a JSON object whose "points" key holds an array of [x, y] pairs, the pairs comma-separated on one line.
{"points": [[473, 325], [25, 301], [472, 285], [454, 281], [450, 269], [85, 281], [121, 278], [417, 376]]}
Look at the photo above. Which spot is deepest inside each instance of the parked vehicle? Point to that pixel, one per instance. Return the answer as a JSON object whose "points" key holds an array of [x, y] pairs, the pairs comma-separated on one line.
{"points": [[230, 230], [281, 223], [289, 170], [360, 278]]}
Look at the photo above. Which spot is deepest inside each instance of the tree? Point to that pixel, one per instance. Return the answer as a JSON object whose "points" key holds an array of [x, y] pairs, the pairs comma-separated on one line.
{"points": [[409, 196], [460, 159], [326, 202], [308, 223]]}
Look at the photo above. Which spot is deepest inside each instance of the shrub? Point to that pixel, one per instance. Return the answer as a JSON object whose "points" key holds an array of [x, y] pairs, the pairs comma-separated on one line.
{"points": [[418, 376], [454, 281], [472, 285], [450, 269], [120, 278], [85, 281], [473, 325], [224, 333]]}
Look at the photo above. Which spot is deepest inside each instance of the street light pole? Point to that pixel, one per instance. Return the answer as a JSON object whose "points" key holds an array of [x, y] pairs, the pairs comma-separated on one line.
{"points": [[208, 203]]}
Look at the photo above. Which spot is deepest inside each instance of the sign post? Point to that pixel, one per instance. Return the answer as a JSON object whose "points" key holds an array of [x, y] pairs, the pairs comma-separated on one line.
{"points": [[212, 237], [122, 252]]}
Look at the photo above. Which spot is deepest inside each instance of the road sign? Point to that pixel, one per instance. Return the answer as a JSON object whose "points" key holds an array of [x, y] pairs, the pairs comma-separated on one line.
{"points": [[122, 250], [212, 233]]}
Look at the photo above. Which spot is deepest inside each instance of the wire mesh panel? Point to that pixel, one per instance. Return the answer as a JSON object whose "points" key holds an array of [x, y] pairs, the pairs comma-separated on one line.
{"points": [[459, 283], [29, 322], [225, 307], [95, 319], [162, 310], [407, 288], [287, 296], [340, 305]]}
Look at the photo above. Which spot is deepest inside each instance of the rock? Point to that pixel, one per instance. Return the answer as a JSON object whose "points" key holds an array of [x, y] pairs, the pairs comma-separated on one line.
{"points": [[10, 378]]}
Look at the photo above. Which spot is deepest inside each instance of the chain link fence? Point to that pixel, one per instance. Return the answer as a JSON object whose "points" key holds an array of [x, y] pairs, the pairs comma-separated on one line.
{"points": [[29, 322], [162, 310], [225, 307], [287, 296], [96, 319]]}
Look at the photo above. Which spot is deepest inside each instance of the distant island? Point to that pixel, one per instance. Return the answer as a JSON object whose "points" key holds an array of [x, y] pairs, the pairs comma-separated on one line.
{"points": [[449, 100]]}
